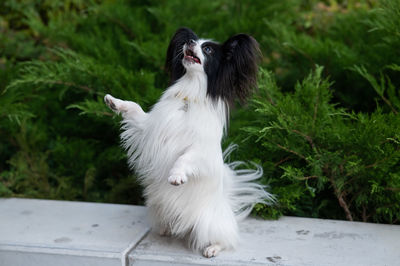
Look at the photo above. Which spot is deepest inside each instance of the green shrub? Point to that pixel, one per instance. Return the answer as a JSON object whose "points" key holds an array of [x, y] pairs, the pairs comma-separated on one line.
{"points": [[321, 160], [328, 144]]}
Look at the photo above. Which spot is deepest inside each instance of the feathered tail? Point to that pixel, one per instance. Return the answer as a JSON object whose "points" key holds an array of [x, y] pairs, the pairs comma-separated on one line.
{"points": [[244, 193]]}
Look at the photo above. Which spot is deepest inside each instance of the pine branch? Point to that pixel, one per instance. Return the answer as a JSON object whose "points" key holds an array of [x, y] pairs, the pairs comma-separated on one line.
{"points": [[122, 26], [291, 151], [315, 111], [282, 161], [394, 189], [71, 84], [308, 177], [308, 138], [340, 196]]}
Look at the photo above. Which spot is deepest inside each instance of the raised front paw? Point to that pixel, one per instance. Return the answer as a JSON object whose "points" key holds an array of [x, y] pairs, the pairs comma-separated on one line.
{"points": [[177, 179], [110, 101], [126, 108]]}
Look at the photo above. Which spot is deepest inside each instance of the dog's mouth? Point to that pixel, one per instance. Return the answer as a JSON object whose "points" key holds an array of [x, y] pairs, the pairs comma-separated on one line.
{"points": [[191, 57]]}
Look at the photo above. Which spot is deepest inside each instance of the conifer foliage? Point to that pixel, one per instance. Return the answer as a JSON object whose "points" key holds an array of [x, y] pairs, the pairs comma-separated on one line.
{"points": [[326, 159], [324, 122]]}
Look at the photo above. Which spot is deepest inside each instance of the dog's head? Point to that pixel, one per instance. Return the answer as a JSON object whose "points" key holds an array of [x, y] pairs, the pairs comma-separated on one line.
{"points": [[231, 67]]}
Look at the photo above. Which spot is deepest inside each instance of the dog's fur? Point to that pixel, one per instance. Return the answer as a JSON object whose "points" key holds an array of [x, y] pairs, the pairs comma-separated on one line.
{"points": [[176, 147]]}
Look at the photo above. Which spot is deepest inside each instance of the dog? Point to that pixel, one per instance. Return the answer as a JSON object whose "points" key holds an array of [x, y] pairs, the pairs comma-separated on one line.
{"points": [[175, 148]]}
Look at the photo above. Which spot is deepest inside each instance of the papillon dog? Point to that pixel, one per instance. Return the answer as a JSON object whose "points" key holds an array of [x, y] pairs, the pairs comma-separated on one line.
{"points": [[175, 148]]}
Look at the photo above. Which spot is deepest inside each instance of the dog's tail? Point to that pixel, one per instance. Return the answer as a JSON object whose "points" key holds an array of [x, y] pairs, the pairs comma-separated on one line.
{"points": [[244, 193]]}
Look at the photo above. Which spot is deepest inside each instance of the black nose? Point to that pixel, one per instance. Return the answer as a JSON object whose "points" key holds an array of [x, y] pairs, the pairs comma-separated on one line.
{"points": [[191, 43]]}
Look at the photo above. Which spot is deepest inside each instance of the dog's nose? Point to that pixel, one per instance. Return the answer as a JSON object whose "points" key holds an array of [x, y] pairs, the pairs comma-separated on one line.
{"points": [[191, 43]]}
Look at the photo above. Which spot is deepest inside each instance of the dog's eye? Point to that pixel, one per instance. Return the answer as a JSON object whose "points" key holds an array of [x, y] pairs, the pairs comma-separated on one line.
{"points": [[207, 49]]}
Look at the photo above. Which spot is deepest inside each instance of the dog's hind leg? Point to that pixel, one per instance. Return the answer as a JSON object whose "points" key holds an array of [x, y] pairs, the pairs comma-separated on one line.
{"points": [[212, 250], [164, 231]]}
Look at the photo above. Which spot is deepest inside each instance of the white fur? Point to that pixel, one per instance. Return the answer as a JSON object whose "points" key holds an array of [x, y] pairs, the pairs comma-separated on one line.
{"points": [[176, 151]]}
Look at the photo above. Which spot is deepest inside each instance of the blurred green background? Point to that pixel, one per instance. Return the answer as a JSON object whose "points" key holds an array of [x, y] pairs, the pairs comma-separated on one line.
{"points": [[324, 122]]}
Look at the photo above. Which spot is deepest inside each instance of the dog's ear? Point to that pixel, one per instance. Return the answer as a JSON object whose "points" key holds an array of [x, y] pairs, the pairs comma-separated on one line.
{"points": [[173, 64], [238, 70]]}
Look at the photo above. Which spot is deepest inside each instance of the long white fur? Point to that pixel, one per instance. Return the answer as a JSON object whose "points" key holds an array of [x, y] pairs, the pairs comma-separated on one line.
{"points": [[176, 151]]}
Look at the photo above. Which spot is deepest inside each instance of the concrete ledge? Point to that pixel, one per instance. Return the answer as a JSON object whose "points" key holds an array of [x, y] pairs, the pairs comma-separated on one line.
{"points": [[289, 241], [42, 232]]}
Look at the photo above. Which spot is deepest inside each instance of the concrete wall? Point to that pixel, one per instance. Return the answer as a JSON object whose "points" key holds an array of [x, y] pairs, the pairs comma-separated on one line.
{"points": [[43, 232]]}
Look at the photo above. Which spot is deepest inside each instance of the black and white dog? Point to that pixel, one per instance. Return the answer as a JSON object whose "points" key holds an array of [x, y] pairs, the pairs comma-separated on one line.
{"points": [[176, 147]]}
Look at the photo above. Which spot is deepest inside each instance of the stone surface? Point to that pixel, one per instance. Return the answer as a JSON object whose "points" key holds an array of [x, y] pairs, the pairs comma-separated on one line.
{"points": [[288, 241], [43, 232]]}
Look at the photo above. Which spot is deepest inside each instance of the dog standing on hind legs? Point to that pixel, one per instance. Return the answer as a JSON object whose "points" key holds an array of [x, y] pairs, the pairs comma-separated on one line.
{"points": [[176, 147]]}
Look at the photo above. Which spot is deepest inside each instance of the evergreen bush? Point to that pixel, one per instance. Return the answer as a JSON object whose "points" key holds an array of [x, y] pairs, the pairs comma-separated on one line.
{"points": [[324, 123], [325, 161]]}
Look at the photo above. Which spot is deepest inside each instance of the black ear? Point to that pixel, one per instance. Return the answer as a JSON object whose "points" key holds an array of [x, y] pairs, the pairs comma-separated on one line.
{"points": [[173, 64], [237, 75]]}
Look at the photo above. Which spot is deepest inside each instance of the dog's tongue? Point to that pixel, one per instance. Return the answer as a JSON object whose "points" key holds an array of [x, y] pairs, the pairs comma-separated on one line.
{"points": [[192, 58]]}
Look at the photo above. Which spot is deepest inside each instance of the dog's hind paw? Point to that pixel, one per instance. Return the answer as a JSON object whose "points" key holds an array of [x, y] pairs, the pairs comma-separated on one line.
{"points": [[164, 232], [212, 251], [177, 179]]}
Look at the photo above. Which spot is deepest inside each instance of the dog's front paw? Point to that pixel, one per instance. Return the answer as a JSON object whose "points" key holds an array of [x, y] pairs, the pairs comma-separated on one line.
{"points": [[177, 179], [110, 101]]}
